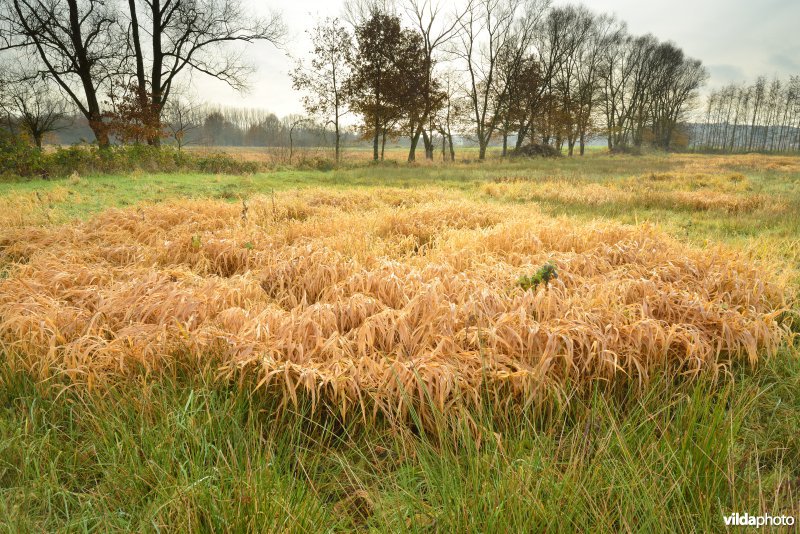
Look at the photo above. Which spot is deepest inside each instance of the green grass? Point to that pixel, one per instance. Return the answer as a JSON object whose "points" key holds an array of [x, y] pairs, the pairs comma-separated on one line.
{"points": [[183, 453], [189, 453]]}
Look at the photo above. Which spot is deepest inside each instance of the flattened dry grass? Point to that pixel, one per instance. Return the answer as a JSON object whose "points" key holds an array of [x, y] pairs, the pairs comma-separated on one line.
{"points": [[376, 301]]}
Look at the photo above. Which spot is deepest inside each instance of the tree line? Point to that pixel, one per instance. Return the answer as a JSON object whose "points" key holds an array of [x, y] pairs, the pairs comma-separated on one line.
{"points": [[235, 126], [184, 124], [761, 116], [520, 71], [506, 72]]}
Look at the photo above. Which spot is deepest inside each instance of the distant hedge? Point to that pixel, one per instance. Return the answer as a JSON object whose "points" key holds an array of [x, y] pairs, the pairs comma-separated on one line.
{"points": [[19, 158]]}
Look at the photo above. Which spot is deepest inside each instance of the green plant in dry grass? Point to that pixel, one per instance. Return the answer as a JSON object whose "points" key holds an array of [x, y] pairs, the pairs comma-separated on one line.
{"points": [[543, 275]]}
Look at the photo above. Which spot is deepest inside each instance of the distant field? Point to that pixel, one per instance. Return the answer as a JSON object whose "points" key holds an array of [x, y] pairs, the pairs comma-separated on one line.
{"points": [[359, 154], [369, 347]]}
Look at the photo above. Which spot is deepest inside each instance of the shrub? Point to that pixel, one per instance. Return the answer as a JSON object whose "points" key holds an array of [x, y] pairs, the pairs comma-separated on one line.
{"points": [[533, 150], [317, 163], [18, 157], [219, 163]]}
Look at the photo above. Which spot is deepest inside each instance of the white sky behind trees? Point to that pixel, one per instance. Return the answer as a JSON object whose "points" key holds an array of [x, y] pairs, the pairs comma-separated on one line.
{"points": [[737, 40]]}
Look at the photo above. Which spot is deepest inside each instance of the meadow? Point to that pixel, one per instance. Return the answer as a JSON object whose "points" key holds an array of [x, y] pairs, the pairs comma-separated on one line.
{"points": [[381, 347]]}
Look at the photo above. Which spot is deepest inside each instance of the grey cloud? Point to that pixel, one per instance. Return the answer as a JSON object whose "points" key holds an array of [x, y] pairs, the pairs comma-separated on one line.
{"points": [[726, 73], [786, 62]]}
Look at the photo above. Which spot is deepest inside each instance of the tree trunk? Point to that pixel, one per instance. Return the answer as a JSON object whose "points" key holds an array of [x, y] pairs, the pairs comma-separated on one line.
{"points": [[84, 71], [482, 149], [157, 97], [520, 139], [376, 141], [141, 83], [337, 137], [428, 141], [100, 132], [103, 141], [797, 143], [412, 152], [521, 133]]}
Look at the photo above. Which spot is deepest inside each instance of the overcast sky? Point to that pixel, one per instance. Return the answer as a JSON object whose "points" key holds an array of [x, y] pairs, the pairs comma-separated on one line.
{"points": [[736, 40]]}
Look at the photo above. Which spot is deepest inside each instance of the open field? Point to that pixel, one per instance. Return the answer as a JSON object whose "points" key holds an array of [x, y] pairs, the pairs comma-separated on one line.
{"points": [[308, 350]]}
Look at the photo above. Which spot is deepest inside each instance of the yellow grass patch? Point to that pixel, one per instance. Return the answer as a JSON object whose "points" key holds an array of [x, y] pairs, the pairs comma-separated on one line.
{"points": [[657, 191], [681, 181], [375, 300], [743, 162], [34, 207]]}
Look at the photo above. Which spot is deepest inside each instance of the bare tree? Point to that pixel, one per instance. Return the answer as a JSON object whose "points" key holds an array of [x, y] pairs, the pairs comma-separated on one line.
{"points": [[32, 106], [485, 31], [182, 117], [589, 80], [38, 111], [741, 117], [520, 82], [673, 93], [436, 30], [325, 81], [451, 114], [75, 43], [661, 88], [190, 35], [356, 12]]}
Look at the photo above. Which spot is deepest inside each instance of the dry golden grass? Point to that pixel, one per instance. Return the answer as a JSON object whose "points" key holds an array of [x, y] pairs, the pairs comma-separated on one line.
{"points": [[281, 155], [696, 192], [374, 300], [34, 207], [266, 155], [683, 181], [744, 162]]}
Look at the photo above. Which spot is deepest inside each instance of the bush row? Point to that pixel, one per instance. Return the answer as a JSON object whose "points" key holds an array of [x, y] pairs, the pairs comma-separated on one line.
{"points": [[21, 159]]}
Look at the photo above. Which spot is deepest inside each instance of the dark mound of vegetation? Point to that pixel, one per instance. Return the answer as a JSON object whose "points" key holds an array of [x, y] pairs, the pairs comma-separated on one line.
{"points": [[534, 150], [630, 150]]}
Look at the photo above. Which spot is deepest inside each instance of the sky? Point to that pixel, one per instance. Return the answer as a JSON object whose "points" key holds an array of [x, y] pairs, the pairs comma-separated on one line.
{"points": [[737, 40]]}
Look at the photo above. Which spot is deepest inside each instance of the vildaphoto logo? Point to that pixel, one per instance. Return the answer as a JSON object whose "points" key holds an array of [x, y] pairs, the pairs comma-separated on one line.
{"points": [[765, 520]]}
